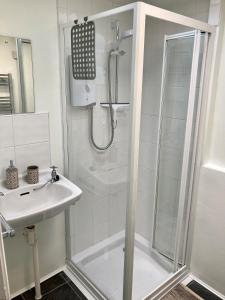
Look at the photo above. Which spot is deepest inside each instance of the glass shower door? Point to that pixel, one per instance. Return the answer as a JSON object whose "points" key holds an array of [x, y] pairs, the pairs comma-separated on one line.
{"points": [[97, 221], [176, 83], [183, 62]]}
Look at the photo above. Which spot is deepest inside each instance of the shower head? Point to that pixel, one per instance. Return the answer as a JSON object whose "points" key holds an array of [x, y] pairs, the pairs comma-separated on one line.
{"points": [[117, 52]]}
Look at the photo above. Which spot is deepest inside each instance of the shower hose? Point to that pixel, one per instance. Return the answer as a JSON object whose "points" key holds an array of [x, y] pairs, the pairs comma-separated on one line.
{"points": [[102, 148]]}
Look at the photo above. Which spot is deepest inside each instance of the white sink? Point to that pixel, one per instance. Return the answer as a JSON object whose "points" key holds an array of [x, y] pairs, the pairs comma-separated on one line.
{"points": [[26, 206]]}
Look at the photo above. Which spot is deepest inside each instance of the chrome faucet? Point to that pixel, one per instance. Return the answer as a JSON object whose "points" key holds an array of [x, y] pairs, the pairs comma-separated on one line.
{"points": [[54, 178]]}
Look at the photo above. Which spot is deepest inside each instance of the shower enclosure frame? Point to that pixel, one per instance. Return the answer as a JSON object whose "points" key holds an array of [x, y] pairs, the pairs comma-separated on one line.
{"points": [[140, 12]]}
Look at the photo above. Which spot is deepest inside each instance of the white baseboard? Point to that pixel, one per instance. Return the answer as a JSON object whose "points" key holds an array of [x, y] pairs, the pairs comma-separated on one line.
{"points": [[191, 277]]}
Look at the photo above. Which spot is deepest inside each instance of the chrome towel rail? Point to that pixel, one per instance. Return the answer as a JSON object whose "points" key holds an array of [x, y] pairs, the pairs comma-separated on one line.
{"points": [[8, 231]]}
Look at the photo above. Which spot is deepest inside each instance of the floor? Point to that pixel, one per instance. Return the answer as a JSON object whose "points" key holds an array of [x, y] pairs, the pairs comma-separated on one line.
{"points": [[181, 292], [58, 287], [106, 272], [202, 291]]}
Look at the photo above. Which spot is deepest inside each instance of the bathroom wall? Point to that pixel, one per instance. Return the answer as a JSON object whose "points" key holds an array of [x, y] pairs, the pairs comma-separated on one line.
{"points": [[37, 20], [22, 19], [23, 143], [208, 252], [191, 8]]}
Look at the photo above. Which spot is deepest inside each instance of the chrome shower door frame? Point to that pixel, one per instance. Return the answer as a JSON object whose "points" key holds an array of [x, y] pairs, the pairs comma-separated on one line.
{"points": [[140, 12]]}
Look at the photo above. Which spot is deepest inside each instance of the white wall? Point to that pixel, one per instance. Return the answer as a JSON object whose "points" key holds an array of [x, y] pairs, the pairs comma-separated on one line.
{"points": [[37, 20], [195, 9], [208, 260], [208, 253]]}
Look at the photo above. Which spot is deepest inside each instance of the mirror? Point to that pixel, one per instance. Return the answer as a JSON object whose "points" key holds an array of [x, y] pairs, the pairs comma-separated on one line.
{"points": [[16, 76]]}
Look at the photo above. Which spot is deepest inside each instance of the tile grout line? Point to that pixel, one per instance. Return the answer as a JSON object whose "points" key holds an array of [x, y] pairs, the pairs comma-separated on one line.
{"points": [[62, 276], [48, 292], [66, 282], [32, 143], [59, 286], [67, 279], [74, 290], [22, 297]]}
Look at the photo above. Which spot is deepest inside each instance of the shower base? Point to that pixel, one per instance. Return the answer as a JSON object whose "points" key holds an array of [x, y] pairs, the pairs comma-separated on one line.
{"points": [[103, 265]]}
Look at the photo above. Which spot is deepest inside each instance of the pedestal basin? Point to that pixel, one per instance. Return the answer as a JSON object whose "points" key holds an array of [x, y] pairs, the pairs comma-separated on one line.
{"points": [[28, 204]]}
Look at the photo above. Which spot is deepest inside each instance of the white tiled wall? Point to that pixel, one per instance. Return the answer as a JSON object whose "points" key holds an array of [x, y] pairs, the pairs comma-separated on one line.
{"points": [[24, 138]]}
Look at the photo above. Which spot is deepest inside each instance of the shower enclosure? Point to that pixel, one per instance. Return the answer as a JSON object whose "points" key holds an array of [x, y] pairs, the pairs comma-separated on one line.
{"points": [[127, 237]]}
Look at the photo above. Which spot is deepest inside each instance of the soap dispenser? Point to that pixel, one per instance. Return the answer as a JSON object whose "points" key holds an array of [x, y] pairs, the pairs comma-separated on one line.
{"points": [[12, 180]]}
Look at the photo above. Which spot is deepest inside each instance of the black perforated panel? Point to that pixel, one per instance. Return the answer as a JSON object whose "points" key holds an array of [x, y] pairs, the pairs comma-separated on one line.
{"points": [[83, 51]]}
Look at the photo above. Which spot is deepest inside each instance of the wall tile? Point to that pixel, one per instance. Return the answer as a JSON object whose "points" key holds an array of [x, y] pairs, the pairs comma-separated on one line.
{"points": [[37, 154], [20, 138], [101, 231], [6, 131], [30, 128], [6, 154]]}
